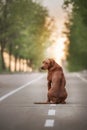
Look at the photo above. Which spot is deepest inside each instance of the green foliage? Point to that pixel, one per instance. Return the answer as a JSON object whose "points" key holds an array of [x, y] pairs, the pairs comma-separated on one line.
{"points": [[22, 29], [77, 36]]}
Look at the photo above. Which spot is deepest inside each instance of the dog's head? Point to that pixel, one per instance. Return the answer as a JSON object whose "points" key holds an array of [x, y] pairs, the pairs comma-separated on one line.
{"points": [[47, 64]]}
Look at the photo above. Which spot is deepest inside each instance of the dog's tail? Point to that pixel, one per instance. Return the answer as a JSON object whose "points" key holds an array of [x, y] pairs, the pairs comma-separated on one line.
{"points": [[44, 103], [41, 102]]}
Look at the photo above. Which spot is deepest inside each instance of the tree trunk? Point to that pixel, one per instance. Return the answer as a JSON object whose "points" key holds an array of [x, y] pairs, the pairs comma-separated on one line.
{"points": [[21, 65], [2, 59], [15, 63], [9, 61], [10, 53]]}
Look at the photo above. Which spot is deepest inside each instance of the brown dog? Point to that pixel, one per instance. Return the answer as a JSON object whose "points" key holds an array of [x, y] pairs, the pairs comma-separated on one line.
{"points": [[56, 82]]}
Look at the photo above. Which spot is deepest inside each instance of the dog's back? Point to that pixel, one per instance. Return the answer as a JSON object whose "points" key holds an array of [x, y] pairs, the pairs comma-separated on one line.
{"points": [[57, 91], [56, 83]]}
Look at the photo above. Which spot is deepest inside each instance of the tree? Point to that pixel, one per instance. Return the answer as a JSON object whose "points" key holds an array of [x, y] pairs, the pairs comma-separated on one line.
{"points": [[24, 32], [78, 39]]}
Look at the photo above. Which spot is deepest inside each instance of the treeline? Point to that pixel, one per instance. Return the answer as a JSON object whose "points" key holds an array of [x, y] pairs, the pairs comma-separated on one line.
{"points": [[24, 31], [77, 33]]}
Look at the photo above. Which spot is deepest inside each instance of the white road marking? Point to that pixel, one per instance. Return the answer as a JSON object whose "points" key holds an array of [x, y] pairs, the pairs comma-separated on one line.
{"points": [[83, 79], [49, 123], [18, 89], [52, 105], [51, 112]]}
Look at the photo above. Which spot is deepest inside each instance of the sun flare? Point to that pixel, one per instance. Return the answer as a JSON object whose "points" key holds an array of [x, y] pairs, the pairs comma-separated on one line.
{"points": [[56, 51]]}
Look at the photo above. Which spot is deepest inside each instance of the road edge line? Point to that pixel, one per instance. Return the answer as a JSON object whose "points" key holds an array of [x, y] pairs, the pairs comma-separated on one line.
{"points": [[79, 76], [19, 88]]}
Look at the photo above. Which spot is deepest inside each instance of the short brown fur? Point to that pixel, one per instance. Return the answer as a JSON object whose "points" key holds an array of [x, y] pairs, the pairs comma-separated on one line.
{"points": [[56, 82]]}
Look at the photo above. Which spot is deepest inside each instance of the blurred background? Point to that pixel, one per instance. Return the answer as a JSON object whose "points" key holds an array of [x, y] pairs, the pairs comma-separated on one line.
{"points": [[32, 30]]}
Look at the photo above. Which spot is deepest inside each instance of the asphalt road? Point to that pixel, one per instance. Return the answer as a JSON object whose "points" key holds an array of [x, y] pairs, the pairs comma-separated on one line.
{"points": [[18, 92]]}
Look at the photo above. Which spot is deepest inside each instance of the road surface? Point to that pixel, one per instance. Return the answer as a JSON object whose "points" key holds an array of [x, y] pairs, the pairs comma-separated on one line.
{"points": [[18, 92]]}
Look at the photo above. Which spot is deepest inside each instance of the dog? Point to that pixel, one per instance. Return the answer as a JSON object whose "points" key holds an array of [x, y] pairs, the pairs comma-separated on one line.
{"points": [[56, 83]]}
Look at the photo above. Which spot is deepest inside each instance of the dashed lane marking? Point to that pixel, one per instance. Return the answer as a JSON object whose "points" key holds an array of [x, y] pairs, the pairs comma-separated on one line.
{"points": [[51, 112], [49, 123], [52, 105], [18, 89]]}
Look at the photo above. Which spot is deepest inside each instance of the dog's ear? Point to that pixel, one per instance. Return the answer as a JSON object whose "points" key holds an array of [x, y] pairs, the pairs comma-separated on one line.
{"points": [[53, 65], [52, 62]]}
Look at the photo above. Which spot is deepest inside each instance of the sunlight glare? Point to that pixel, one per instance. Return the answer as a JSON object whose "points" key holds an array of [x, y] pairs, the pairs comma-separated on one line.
{"points": [[56, 51]]}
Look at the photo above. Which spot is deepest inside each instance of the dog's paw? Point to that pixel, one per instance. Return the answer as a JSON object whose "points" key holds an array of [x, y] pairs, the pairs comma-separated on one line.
{"points": [[63, 102]]}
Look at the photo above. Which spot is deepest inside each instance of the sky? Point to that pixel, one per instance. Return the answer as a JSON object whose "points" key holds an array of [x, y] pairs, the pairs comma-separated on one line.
{"points": [[56, 11]]}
